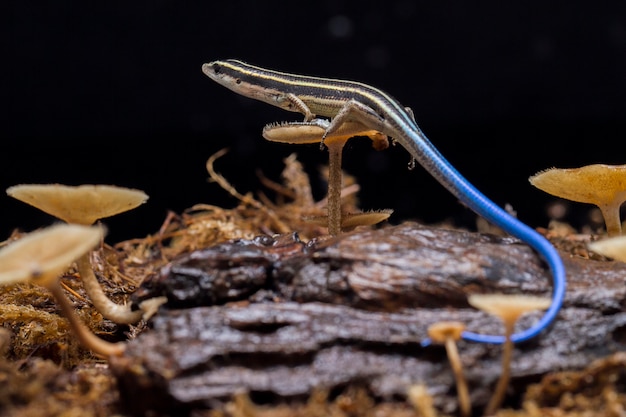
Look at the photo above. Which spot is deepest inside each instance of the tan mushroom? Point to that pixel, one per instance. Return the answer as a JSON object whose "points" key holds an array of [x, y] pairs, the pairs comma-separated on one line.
{"points": [[352, 220], [41, 257], [508, 308], [421, 400], [84, 205], [614, 247], [598, 184], [448, 333], [313, 132]]}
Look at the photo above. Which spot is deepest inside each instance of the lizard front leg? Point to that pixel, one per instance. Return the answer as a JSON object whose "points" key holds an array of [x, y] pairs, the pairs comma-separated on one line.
{"points": [[296, 104]]}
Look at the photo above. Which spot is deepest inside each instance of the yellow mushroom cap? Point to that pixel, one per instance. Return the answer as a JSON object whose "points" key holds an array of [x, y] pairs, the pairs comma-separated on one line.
{"points": [[614, 247], [594, 184], [313, 132], [599, 184], [508, 307], [83, 204], [444, 330], [42, 256]]}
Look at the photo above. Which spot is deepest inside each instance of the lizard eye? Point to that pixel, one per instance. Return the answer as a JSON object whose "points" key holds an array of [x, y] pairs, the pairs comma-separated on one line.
{"points": [[238, 81], [216, 69]]}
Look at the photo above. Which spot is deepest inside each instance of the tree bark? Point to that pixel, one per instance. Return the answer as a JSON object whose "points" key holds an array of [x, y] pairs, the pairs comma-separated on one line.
{"points": [[277, 318]]}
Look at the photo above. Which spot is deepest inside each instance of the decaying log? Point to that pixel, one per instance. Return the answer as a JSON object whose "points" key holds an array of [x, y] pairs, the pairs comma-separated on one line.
{"points": [[392, 268], [282, 318]]}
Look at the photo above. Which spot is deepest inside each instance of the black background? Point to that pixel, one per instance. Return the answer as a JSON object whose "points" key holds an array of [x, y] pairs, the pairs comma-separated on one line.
{"points": [[113, 93]]}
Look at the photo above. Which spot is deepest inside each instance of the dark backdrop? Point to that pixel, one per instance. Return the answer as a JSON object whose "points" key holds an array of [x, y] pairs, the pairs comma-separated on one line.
{"points": [[114, 93]]}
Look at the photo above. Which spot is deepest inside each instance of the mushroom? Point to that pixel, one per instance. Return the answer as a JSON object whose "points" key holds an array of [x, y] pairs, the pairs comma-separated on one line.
{"points": [[84, 205], [614, 247], [508, 308], [448, 333], [598, 184], [41, 257], [313, 132], [421, 400], [352, 220]]}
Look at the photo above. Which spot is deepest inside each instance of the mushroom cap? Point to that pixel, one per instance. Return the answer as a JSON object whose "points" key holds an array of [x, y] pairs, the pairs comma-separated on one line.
{"points": [[441, 331], [597, 184], [352, 220], [313, 132], [42, 256], [366, 218], [614, 247], [294, 132], [83, 204], [509, 307]]}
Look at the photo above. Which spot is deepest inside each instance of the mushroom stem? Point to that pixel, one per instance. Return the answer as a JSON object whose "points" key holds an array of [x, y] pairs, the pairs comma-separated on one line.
{"points": [[505, 375], [447, 333], [461, 384], [335, 149], [315, 131], [85, 336], [612, 219], [112, 311], [508, 308]]}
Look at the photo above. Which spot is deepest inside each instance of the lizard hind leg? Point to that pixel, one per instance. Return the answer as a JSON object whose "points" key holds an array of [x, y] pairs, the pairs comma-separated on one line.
{"points": [[358, 114]]}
